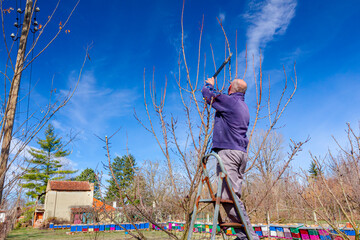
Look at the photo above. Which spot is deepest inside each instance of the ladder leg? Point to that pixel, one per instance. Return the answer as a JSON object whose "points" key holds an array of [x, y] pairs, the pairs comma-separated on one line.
{"points": [[217, 205], [194, 213], [217, 201], [239, 210]]}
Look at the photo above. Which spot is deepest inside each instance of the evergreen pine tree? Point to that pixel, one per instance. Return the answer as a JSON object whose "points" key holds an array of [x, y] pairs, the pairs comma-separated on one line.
{"points": [[314, 170], [89, 175], [45, 164], [124, 171]]}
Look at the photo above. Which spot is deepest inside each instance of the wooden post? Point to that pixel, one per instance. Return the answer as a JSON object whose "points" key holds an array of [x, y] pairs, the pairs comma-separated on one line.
{"points": [[13, 97]]}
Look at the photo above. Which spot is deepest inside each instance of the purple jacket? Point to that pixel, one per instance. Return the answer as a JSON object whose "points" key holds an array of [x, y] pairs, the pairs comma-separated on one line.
{"points": [[231, 119]]}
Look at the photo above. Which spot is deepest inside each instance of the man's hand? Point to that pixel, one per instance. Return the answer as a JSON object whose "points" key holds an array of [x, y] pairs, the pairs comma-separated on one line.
{"points": [[210, 81]]}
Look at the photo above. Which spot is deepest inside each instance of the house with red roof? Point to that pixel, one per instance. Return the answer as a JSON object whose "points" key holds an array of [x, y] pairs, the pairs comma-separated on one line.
{"points": [[62, 196]]}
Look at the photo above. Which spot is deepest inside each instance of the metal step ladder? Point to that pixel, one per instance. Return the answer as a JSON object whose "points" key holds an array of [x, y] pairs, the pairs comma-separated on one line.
{"points": [[217, 201]]}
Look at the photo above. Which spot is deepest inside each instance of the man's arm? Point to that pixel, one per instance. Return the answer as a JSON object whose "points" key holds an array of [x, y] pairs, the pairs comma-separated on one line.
{"points": [[209, 92], [214, 97]]}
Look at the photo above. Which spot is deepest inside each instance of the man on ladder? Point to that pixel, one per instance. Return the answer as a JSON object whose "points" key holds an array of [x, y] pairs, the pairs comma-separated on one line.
{"points": [[230, 141]]}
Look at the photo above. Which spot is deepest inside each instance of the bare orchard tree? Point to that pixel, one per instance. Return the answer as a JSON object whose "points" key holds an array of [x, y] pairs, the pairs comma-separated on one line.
{"points": [[14, 140], [157, 199], [146, 199], [265, 171], [183, 153], [268, 179], [262, 152], [333, 194], [123, 196]]}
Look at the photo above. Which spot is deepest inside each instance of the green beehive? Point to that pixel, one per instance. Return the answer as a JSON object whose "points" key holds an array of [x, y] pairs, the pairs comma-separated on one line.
{"points": [[197, 226], [294, 230], [312, 232]]}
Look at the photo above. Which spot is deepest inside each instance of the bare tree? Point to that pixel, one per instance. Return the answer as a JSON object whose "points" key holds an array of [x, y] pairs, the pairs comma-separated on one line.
{"points": [[19, 58], [15, 140], [198, 125], [265, 171], [125, 208], [333, 194]]}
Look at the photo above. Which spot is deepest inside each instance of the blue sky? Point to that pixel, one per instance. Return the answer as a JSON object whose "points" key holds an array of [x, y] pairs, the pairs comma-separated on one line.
{"points": [[128, 36]]}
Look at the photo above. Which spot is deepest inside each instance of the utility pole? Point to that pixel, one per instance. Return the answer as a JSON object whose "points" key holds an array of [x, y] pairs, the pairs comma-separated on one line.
{"points": [[13, 97]]}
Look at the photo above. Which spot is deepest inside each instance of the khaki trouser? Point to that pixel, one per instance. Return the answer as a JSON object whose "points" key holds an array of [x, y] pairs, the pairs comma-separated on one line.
{"points": [[234, 162]]}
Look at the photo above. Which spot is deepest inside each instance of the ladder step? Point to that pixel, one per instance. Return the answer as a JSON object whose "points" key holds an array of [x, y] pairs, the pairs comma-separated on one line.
{"points": [[212, 201], [231, 224]]}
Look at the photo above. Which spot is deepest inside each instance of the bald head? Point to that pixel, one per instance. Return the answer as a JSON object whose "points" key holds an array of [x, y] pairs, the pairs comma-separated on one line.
{"points": [[237, 85]]}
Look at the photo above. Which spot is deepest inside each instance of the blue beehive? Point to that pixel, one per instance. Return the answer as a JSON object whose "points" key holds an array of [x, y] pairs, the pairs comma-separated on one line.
{"points": [[147, 225], [322, 237], [280, 232], [117, 227], [51, 225], [350, 232], [73, 228], [101, 227], [79, 228]]}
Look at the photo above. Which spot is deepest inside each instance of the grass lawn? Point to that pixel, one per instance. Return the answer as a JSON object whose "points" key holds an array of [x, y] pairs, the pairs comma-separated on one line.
{"points": [[34, 234]]}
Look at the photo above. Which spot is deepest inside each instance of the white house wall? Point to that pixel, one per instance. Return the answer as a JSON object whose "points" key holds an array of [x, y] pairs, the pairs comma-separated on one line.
{"points": [[59, 203]]}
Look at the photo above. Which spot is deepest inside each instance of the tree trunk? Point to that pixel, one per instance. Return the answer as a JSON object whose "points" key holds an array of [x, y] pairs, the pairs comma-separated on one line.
{"points": [[315, 218], [13, 96]]}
